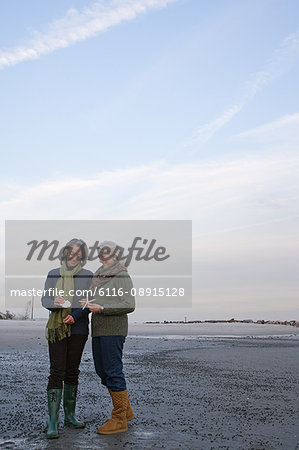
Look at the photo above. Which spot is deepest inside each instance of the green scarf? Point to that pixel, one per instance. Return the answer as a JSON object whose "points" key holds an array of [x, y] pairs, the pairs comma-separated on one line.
{"points": [[56, 329]]}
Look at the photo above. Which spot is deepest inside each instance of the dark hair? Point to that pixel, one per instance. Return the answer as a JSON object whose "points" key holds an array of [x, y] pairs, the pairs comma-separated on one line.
{"points": [[80, 243]]}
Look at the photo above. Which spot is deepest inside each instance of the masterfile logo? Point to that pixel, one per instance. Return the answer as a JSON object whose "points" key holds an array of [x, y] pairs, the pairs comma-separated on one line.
{"points": [[140, 249], [157, 254]]}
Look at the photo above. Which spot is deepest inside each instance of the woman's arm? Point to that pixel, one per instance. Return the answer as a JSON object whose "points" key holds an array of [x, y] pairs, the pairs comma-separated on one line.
{"points": [[122, 304], [78, 313], [48, 297]]}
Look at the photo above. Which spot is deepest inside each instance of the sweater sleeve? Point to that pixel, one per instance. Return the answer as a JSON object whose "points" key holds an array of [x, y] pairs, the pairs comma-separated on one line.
{"points": [[48, 298], [78, 313], [122, 304]]}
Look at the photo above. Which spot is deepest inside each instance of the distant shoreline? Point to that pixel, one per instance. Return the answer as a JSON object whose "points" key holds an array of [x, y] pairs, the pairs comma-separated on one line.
{"points": [[292, 323], [17, 334]]}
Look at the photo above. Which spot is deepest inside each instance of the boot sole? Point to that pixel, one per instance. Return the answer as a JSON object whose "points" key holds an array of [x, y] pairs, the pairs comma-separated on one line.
{"points": [[70, 425], [53, 437]]}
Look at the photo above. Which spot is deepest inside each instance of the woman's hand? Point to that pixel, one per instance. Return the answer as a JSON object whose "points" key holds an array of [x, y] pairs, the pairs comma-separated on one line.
{"points": [[58, 302], [94, 308], [69, 320]]}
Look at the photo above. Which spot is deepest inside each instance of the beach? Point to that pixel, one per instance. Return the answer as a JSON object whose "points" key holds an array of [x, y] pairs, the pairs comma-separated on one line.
{"points": [[197, 386]]}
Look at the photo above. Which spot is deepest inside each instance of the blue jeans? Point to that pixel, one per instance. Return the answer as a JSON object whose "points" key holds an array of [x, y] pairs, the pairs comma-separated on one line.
{"points": [[107, 356]]}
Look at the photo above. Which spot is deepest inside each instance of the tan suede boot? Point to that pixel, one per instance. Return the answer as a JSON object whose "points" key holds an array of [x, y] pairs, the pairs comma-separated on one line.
{"points": [[130, 414], [118, 421]]}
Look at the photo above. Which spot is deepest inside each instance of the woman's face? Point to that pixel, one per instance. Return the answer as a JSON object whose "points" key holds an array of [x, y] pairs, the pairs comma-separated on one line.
{"points": [[74, 256], [105, 258]]}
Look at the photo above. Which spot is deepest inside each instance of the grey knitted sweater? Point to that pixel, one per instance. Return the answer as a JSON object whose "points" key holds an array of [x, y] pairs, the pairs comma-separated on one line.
{"points": [[117, 300]]}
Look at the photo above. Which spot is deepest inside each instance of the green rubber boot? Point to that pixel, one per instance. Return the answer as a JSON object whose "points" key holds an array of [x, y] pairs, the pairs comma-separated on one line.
{"points": [[54, 399], [69, 405]]}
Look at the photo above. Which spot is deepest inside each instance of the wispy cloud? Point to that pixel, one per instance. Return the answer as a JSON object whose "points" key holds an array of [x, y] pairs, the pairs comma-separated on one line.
{"points": [[290, 120], [244, 211], [78, 26], [279, 63], [218, 195]]}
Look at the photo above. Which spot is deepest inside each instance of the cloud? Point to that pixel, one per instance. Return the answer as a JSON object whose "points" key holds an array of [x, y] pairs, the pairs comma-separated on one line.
{"points": [[207, 131], [245, 248], [78, 26], [217, 195], [285, 123], [279, 63], [52, 188]]}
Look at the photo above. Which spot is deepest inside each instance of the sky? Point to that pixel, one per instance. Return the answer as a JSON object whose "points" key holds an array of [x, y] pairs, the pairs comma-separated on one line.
{"points": [[162, 109]]}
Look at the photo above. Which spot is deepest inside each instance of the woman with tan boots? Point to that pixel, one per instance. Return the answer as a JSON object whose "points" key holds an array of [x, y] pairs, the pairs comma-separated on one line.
{"points": [[114, 297]]}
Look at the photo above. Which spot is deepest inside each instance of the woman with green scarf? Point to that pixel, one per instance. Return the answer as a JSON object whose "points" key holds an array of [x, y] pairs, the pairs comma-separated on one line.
{"points": [[66, 332]]}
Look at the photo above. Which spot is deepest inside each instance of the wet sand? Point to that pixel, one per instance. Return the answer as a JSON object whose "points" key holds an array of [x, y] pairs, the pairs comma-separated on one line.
{"points": [[203, 386]]}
